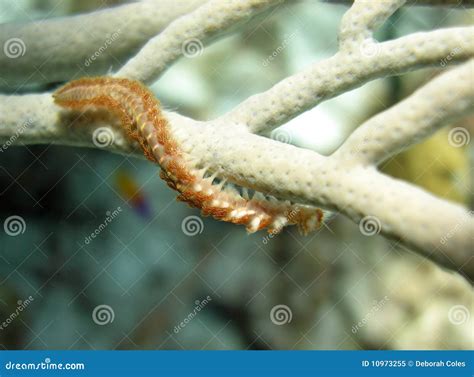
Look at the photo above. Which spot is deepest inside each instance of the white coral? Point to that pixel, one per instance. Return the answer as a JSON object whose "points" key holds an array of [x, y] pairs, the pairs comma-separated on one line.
{"points": [[348, 181]]}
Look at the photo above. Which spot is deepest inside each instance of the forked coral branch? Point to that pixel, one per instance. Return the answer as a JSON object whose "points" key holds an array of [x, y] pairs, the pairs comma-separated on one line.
{"points": [[288, 177]]}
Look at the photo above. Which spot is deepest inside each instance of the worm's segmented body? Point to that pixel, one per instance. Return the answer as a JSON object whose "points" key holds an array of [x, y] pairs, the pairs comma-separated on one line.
{"points": [[140, 115]]}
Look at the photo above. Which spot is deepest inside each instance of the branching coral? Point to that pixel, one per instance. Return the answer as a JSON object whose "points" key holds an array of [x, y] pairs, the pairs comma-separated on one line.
{"points": [[117, 33], [347, 181]]}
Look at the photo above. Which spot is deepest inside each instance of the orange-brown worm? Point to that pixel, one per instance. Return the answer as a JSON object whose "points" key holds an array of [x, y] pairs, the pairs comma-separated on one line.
{"points": [[140, 114]]}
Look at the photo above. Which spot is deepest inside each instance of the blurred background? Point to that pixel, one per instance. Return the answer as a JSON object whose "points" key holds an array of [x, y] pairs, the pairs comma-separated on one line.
{"points": [[103, 257]]}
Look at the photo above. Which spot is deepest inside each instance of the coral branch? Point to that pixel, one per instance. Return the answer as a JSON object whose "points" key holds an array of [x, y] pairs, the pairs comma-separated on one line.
{"points": [[35, 119], [413, 216], [347, 181], [445, 3], [345, 71], [403, 211], [362, 19], [188, 33], [90, 43], [447, 97]]}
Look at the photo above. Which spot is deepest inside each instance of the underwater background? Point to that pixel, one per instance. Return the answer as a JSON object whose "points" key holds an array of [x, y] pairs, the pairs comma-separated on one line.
{"points": [[106, 258]]}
